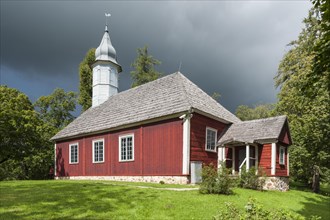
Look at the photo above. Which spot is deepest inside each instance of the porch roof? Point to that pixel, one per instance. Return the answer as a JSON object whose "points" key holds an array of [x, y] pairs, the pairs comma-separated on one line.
{"points": [[254, 131]]}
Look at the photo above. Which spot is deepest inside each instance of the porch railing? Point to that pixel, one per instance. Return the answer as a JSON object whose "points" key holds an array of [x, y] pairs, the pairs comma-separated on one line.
{"points": [[242, 164]]}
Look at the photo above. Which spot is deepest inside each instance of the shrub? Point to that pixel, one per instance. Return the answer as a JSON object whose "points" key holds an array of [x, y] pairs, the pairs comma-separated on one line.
{"points": [[216, 182], [252, 179], [255, 211]]}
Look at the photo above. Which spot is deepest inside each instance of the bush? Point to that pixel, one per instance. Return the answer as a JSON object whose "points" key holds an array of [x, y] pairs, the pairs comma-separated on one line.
{"points": [[251, 179], [216, 182], [256, 211]]}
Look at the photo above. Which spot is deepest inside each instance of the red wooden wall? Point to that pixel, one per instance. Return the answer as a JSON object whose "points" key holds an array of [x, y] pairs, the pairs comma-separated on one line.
{"points": [[281, 170], [157, 151], [265, 158], [197, 138]]}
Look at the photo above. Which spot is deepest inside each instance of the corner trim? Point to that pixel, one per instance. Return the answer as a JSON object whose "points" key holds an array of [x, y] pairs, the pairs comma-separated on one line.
{"points": [[273, 159], [186, 145]]}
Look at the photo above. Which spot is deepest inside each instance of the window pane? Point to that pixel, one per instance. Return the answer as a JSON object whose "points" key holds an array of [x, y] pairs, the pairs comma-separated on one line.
{"points": [[100, 151], [210, 139], [129, 148], [126, 148], [73, 153], [123, 149]]}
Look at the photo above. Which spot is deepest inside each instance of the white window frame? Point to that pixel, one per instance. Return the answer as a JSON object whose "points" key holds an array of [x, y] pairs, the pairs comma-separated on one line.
{"points": [[70, 156], [119, 145], [279, 155], [93, 150], [215, 139]]}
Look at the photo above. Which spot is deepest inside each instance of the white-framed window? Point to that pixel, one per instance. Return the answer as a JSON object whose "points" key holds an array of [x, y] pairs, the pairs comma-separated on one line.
{"points": [[211, 139], [126, 148], [98, 151], [282, 155], [74, 153]]}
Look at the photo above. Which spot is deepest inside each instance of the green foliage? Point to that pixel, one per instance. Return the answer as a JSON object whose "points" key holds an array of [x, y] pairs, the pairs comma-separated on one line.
{"points": [[26, 149], [252, 179], [144, 68], [24, 145], [18, 125], [86, 80], [216, 96], [304, 98], [216, 182], [56, 109], [321, 68], [253, 210], [246, 113]]}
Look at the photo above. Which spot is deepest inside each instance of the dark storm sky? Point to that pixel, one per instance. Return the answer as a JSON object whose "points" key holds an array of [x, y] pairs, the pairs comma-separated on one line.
{"points": [[233, 48]]}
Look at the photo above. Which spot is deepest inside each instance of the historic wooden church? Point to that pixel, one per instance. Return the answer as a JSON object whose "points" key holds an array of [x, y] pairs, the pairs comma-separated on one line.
{"points": [[164, 130]]}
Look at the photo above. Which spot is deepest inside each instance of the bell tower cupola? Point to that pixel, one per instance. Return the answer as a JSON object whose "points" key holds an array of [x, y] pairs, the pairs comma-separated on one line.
{"points": [[105, 70]]}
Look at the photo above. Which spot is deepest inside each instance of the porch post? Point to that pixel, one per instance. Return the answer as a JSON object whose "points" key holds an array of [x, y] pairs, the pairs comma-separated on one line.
{"points": [[288, 165], [233, 160], [221, 155], [256, 155], [55, 161], [273, 161], [247, 157]]}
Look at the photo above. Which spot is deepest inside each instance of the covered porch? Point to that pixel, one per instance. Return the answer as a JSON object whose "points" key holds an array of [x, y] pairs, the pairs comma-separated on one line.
{"points": [[238, 156]]}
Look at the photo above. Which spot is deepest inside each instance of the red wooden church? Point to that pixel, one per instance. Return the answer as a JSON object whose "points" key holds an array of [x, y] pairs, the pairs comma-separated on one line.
{"points": [[164, 130]]}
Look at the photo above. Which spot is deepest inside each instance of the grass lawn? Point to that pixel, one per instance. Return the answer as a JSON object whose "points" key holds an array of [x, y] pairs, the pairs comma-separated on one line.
{"points": [[116, 200]]}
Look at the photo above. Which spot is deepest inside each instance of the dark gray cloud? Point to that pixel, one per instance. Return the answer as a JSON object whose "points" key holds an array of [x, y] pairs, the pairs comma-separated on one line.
{"points": [[229, 47]]}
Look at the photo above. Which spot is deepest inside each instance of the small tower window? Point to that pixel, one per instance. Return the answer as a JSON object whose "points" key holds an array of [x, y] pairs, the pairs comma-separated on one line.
{"points": [[282, 155]]}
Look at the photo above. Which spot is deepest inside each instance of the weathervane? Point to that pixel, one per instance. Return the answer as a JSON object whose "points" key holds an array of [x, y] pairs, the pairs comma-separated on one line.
{"points": [[106, 18]]}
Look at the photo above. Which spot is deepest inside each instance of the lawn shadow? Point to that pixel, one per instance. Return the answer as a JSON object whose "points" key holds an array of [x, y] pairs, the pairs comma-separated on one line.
{"points": [[317, 207]]}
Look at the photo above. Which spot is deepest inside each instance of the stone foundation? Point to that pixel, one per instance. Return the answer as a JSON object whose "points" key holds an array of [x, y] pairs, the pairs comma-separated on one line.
{"points": [[147, 179], [276, 183]]}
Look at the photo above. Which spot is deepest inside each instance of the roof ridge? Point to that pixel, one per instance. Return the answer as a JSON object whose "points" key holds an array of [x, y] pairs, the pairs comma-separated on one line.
{"points": [[263, 119], [203, 92], [187, 99]]}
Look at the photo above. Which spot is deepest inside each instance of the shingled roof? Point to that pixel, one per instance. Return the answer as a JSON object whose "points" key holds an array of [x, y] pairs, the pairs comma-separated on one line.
{"points": [[165, 96], [253, 131]]}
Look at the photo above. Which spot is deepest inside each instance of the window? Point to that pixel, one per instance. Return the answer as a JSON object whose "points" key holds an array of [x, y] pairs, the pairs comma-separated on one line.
{"points": [[126, 148], [282, 155], [211, 139], [73, 153], [98, 151]]}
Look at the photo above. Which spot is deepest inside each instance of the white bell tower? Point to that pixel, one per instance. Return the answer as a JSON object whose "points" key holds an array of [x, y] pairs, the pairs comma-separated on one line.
{"points": [[105, 71]]}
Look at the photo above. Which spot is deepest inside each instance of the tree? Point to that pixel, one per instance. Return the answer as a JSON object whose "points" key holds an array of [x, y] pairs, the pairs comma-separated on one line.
{"points": [[18, 125], [56, 109], [321, 68], [86, 80], [144, 68], [305, 100], [216, 96], [22, 142], [245, 113]]}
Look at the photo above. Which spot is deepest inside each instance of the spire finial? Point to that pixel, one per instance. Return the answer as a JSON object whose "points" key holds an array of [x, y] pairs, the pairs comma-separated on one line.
{"points": [[180, 66], [106, 21]]}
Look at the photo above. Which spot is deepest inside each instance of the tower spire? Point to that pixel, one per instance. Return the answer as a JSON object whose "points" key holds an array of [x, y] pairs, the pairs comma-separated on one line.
{"points": [[105, 69]]}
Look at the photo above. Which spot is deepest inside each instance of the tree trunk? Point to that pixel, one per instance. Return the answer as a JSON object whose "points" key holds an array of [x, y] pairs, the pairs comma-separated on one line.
{"points": [[316, 179]]}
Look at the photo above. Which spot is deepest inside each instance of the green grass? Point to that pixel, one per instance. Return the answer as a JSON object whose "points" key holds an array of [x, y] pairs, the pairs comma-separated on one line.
{"points": [[116, 200]]}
